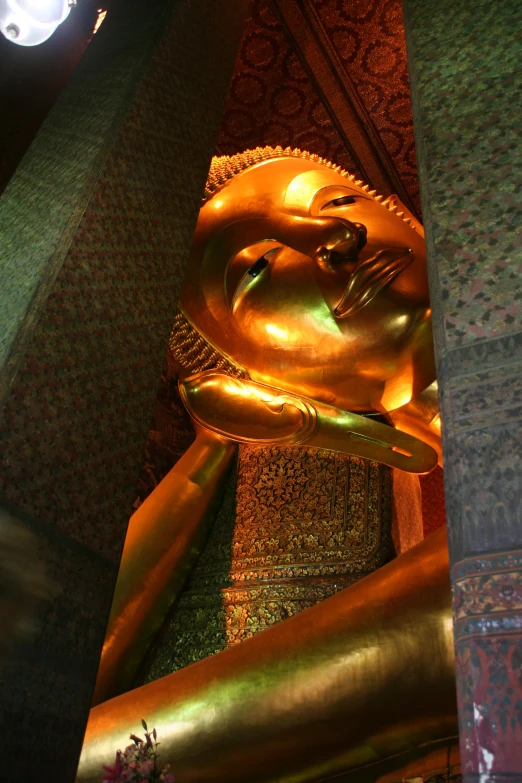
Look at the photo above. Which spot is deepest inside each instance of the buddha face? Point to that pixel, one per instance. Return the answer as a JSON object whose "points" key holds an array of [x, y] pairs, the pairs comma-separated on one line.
{"points": [[312, 286]]}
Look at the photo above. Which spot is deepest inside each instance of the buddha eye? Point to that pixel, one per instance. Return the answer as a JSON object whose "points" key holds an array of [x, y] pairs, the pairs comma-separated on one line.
{"points": [[250, 275], [342, 201], [257, 268]]}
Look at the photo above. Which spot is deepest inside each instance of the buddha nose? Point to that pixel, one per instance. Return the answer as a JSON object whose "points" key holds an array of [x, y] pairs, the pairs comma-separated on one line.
{"points": [[353, 241], [363, 236], [344, 241]]}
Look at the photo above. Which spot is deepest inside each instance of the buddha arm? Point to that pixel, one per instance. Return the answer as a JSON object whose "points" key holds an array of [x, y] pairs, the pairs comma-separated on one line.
{"points": [[163, 541], [359, 677]]}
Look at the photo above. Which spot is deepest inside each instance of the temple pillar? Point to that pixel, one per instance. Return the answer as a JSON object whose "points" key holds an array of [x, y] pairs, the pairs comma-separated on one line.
{"points": [[465, 71], [96, 223]]}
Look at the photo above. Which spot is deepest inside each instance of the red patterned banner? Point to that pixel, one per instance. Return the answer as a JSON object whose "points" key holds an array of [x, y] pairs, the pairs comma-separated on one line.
{"points": [[487, 605]]}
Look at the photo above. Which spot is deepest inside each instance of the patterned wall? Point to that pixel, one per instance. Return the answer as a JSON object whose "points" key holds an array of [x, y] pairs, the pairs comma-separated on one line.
{"points": [[272, 100], [275, 95], [467, 83], [368, 36], [75, 420]]}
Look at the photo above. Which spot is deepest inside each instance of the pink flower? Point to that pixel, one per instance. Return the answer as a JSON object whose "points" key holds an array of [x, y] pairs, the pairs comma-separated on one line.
{"points": [[114, 774], [146, 767], [137, 763]]}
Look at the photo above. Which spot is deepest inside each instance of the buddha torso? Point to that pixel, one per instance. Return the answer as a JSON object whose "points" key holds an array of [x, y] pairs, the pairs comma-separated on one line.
{"points": [[295, 526]]}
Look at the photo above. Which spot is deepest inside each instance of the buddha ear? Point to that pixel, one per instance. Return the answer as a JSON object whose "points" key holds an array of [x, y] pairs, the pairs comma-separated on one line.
{"points": [[394, 204], [250, 412]]}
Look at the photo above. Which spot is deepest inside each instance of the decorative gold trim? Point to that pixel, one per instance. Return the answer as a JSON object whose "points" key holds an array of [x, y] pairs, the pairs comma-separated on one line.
{"points": [[195, 354]]}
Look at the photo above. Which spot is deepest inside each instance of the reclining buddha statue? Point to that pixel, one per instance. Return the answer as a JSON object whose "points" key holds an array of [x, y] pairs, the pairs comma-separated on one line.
{"points": [[304, 342]]}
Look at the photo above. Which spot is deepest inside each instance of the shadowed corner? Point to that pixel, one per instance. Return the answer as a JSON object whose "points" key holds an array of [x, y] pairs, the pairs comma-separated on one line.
{"points": [[24, 583]]}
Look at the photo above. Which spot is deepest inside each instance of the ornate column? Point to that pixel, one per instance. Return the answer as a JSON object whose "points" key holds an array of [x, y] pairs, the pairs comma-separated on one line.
{"points": [[465, 69], [96, 227]]}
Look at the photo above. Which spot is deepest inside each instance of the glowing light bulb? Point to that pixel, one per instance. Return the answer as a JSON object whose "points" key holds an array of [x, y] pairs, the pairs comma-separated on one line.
{"points": [[31, 22]]}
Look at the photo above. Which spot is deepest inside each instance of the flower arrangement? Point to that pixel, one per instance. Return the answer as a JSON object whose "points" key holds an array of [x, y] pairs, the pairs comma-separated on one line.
{"points": [[139, 762]]}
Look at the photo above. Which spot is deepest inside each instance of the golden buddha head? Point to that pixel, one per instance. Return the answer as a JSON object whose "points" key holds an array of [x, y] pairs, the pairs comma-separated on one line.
{"points": [[303, 279]]}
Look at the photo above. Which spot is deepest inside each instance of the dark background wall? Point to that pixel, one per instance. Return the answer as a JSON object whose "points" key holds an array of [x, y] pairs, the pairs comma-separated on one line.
{"points": [[97, 222]]}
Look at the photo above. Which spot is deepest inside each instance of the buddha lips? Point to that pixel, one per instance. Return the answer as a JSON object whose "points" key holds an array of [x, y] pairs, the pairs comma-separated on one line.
{"points": [[371, 277]]}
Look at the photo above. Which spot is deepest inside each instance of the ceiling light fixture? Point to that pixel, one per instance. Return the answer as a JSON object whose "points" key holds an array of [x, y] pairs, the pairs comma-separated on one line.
{"points": [[31, 22]]}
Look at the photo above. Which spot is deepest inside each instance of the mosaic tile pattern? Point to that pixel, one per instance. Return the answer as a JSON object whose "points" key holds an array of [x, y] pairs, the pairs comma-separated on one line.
{"points": [[466, 79], [369, 38], [300, 525], [84, 394], [74, 425], [480, 396], [276, 98], [483, 450], [43, 204], [171, 432], [433, 503]]}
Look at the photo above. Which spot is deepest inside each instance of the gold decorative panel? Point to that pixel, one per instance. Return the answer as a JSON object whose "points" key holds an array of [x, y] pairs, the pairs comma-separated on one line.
{"points": [[296, 525]]}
